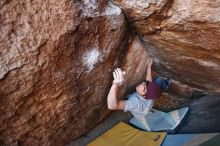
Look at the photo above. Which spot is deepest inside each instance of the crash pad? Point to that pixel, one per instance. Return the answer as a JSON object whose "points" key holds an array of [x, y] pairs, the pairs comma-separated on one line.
{"points": [[125, 135], [156, 120], [207, 139]]}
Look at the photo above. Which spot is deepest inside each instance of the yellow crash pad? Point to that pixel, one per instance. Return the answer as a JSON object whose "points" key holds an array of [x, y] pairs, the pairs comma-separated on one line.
{"points": [[124, 135]]}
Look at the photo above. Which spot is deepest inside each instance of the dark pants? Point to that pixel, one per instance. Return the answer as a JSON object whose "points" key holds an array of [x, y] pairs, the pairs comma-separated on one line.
{"points": [[162, 83]]}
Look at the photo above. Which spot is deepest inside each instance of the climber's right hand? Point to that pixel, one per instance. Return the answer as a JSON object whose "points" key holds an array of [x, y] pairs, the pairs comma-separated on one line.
{"points": [[118, 75]]}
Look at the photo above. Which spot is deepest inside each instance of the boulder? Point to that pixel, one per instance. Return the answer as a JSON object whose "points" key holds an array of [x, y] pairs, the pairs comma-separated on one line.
{"points": [[183, 37], [56, 61], [57, 58]]}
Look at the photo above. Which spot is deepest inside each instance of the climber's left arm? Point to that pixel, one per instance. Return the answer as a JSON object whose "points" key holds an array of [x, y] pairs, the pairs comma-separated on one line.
{"points": [[149, 74]]}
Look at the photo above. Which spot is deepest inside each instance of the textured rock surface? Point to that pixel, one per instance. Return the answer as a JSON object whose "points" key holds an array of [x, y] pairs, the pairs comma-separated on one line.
{"points": [[183, 36], [137, 10], [134, 64], [56, 58]]}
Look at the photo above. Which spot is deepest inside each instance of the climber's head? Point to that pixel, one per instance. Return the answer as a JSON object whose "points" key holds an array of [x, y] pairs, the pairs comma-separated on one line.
{"points": [[142, 88]]}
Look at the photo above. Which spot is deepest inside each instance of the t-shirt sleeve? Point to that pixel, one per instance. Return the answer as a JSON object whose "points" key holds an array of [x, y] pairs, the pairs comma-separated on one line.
{"points": [[132, 104]]}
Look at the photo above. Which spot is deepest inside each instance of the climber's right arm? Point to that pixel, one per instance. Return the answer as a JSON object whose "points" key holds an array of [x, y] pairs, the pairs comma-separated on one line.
{"points": [[112, 101]]}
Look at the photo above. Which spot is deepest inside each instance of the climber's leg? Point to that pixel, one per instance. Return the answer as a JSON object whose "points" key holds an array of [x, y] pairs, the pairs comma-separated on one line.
{"points": [[164, 84]]}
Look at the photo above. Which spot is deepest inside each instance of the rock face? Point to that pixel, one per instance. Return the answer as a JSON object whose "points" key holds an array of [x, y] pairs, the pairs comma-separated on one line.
{"points": [[56, 58], [134, 64], [183, 36]]}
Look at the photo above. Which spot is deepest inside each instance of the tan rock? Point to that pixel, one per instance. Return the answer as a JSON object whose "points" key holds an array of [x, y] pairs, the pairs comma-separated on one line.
{"points": [[140, 9], [135, 63], [183, 36], [56, 58]]}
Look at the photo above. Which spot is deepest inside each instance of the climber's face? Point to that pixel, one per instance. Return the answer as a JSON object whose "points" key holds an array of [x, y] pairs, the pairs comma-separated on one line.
{"points": [[142, 89]]}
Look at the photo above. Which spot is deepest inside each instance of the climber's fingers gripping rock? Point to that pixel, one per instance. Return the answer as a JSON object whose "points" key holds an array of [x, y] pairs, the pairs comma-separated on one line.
{"points": [[118, 75]]}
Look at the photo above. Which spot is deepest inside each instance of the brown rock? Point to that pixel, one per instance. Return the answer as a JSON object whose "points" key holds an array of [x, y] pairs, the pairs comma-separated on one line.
{"points": [[56, 58], [135, 64], [168, 102], [183, 37], [141, 9]]}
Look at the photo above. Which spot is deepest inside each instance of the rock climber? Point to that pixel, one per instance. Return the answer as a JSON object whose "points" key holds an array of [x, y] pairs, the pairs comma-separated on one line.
{"points": [[143, 98]]}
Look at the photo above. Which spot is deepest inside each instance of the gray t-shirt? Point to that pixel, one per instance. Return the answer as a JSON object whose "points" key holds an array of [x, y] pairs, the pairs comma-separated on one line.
{"points": [[137, 103], [139, 107]]}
